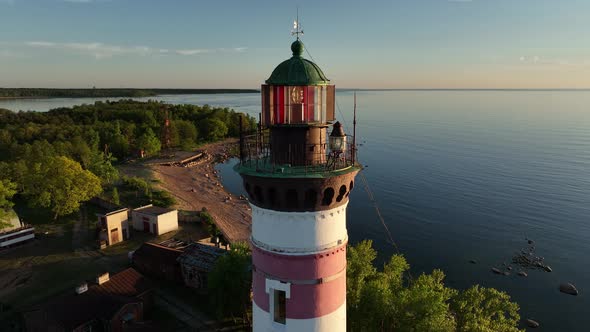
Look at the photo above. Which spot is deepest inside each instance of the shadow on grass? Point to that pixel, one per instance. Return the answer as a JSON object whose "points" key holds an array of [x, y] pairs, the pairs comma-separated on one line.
{"points": [[39, 216]]}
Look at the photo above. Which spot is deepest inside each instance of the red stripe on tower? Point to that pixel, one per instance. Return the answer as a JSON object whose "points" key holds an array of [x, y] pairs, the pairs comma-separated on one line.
{"points": [[310, 103], [280, 104]]}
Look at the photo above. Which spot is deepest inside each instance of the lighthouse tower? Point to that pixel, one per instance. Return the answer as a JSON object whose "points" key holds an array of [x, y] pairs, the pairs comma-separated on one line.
{"points": [[298, 170]]}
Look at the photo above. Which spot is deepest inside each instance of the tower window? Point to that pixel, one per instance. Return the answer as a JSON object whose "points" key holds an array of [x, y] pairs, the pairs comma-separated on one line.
{"points": [[280, 306], [292, 199], [328, 196], [272, 197], [258, 194], [311, 197], [341, 193]]}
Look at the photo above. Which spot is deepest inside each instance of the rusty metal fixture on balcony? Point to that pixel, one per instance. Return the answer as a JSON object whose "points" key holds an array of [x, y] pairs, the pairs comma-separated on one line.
{"points": [[337, 138]]}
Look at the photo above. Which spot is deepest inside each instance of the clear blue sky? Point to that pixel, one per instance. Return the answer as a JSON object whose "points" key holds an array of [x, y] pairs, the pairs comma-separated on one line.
{"points": [[236, 44]]}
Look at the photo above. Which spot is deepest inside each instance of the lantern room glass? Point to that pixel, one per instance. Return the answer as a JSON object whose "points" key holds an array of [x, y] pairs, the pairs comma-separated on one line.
{"points": [[283, 104]]}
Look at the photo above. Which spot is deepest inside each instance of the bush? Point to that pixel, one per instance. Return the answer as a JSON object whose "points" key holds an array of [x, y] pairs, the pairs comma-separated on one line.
{"points": [[162, 198]]}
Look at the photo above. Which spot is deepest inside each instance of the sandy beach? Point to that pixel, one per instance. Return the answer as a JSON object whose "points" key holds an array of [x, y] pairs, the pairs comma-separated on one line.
{"points": [[199, 186]]}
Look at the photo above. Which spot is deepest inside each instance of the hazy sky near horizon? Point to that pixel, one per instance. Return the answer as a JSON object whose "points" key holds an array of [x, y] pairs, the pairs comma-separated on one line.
{"points": [[237, 44]]}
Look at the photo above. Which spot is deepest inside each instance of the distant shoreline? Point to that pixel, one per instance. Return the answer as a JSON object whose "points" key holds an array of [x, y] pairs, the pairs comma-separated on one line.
{"points": [[447, 89], [47, 93]]}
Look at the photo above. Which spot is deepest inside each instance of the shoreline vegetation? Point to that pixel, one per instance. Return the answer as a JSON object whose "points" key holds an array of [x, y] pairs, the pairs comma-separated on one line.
{"points": [[34, 93], [42, 154]]}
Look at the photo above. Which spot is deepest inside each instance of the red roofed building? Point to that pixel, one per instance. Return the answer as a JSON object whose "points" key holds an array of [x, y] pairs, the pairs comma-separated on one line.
{"points": [[110, 305]]}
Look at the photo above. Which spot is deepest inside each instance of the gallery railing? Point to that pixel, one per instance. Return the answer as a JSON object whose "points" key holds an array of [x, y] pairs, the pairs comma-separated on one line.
{"points": [[257, 155]]}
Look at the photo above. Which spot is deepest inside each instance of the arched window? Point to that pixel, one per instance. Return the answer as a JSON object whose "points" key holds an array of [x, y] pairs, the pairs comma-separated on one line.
{"points": [[328, 196], [341, 193]]}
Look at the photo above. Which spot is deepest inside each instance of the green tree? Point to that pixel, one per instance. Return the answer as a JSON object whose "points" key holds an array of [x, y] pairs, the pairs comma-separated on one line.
{"points": [[101, 165], [186, 133], [139, 184], [61, 184], [7, 190], [149, 143], [389, 301], [359, 269], [81, 152], [19, 172], [480, 309], [162, 198], [424, 305], [230, 283], [214, 129], [115, 195]]}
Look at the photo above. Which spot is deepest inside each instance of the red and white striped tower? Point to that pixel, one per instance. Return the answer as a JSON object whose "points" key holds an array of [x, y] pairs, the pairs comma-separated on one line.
{"points": [[298, 178]]}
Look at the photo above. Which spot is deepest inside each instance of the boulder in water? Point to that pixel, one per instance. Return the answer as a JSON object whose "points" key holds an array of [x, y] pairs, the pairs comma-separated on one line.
{"points": [[568, 289], [496, 271], [472, 261], [523, 274], [547, 268], [532, 323]]}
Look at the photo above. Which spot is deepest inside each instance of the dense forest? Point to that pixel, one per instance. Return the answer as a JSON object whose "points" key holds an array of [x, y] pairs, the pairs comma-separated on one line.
{"points": [[60, 158], [107, 93]]}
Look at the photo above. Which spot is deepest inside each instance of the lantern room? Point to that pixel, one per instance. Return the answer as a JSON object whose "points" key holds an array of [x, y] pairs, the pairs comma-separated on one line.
{"points": [[297, 92], [294, 136]]}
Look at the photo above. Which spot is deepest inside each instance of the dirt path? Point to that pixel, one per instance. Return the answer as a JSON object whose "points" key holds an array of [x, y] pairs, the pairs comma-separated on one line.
{"points": [[199, 186]]}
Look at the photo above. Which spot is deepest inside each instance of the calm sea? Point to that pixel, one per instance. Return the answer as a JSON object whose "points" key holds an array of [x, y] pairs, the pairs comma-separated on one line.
{"points": [[462, 175]]}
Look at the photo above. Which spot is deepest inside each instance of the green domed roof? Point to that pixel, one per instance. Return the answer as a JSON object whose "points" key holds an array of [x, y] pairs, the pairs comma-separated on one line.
{"points": [[297, 70]]}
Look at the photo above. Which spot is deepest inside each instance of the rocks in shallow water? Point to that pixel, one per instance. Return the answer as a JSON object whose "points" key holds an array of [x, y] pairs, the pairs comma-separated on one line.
{"points": [[509, 268], [523, 274], [506, 273], [496, 271], [472, 261], [568, 288], [527, 259], [532, 323]]}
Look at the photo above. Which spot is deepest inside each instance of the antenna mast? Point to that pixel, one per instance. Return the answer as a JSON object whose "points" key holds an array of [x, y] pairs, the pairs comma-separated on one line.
{"points": [[297, 30], [354, 132]]}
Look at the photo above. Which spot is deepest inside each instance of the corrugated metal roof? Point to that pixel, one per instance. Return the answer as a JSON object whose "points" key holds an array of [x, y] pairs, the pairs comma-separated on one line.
{"points": [[200, 256]]}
